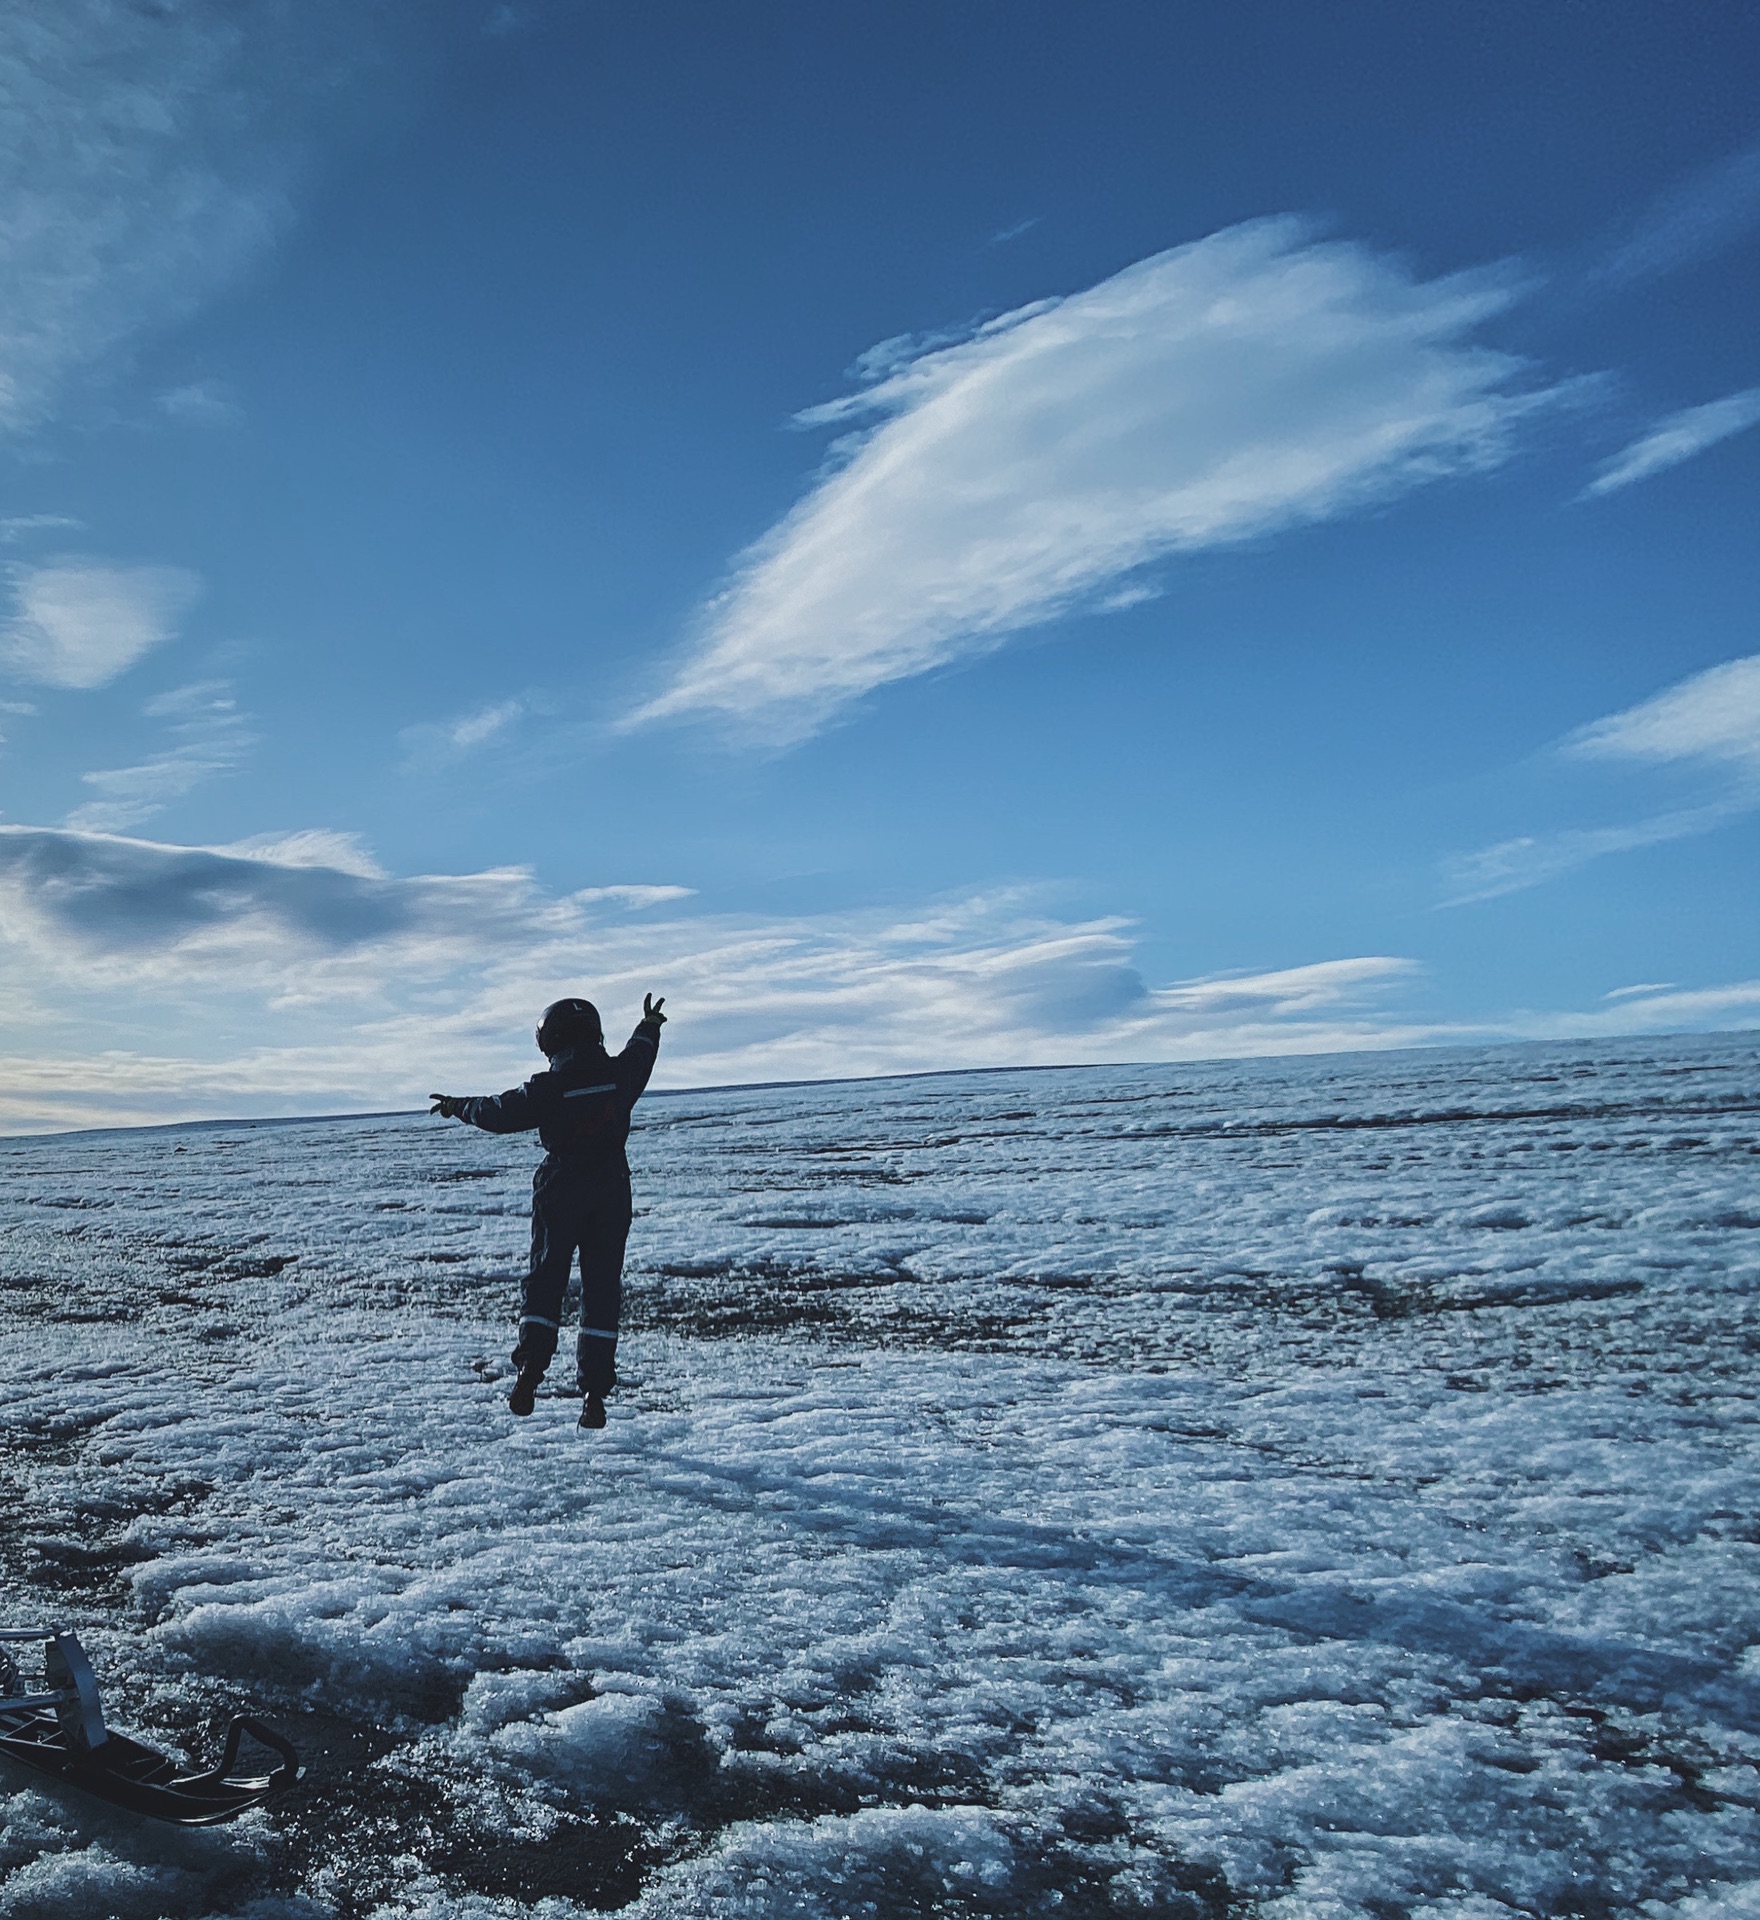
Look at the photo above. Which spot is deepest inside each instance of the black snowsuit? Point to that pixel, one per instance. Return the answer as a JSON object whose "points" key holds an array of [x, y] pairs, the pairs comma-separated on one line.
{"points": [[580, 1194]]}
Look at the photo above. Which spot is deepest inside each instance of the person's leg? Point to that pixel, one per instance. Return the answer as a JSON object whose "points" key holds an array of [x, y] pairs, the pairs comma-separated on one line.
{"points": [[605, 1230], [555, 1223]]}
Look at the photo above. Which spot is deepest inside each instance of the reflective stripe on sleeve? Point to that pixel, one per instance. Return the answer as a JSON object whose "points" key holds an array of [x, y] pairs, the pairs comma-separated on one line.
{"points": [[647, 1039]]}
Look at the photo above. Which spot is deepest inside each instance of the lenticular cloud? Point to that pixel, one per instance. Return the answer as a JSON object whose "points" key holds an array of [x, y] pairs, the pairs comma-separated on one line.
{"points": [[1250, 381]]}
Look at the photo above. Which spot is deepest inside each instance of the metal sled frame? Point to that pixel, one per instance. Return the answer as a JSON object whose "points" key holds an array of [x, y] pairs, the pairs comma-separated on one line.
{"points": [[60, 1732]]}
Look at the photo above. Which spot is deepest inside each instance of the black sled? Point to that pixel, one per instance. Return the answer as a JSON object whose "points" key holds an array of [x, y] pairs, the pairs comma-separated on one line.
{"points": [[59, 1730]]}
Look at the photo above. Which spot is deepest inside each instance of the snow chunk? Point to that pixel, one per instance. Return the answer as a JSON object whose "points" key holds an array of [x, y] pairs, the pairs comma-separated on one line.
{"points": [[631, 1747]]}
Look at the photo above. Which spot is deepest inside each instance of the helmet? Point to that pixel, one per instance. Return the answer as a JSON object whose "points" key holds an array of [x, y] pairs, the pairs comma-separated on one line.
{"points": [[568, 1023]]}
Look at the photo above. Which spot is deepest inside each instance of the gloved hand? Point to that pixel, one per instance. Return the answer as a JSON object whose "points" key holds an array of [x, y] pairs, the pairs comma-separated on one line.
{"points": [[448, 1105], [651, 1009]]}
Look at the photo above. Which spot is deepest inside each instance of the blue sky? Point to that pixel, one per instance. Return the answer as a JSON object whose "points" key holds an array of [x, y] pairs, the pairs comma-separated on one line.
{"points": [[933, 535]]}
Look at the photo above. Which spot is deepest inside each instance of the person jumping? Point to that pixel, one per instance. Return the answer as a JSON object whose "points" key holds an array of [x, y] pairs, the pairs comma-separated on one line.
{"points": [[580, 1193]]}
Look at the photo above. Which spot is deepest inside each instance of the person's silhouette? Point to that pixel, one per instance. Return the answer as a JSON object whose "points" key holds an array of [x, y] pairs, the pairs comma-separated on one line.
{"points": [[580, 1193]]}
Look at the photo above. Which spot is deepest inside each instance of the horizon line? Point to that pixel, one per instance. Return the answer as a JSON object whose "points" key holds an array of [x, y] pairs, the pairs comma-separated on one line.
{"points": [[916, 1073]]}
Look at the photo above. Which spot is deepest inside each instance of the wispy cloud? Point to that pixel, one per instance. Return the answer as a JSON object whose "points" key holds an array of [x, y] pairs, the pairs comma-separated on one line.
{"points": [[81, 622], [308, 847], [358, 988], [433, 743], [22, 526], [150, 153], [201, 403], [1249, 382], [1529, 859], [1677, 437], [209, 736], [1692, 221], [1711, 721], [1654, 1009], [1713, 717], [133, 181]]}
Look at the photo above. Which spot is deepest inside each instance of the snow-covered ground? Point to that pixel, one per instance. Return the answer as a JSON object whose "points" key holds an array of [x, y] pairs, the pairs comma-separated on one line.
{"points": [[1289, 1487]]}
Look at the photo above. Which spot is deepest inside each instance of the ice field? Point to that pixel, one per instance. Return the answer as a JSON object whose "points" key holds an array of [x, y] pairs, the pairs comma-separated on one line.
{"points": [[1286, 1488]]}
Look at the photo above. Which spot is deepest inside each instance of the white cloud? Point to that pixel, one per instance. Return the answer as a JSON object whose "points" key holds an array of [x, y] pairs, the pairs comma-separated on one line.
{"points": [[309, 847], [1677, 437], [1714, 717], [211, 736], [203, 403], [134, 179], [1251, 381], [436, 743], [1650, 1010], [476, 729], [1529, 859], [1711, 720], [149, 154], [634, 898], [315, 985], [81, 622], [1693, 221], [21, 526]]}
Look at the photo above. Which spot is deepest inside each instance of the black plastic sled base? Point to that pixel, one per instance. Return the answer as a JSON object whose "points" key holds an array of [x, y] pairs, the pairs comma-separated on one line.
{"points": [[60, 1731]]}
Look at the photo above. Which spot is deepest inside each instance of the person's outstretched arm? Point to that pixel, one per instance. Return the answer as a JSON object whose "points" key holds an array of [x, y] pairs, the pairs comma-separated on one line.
{"points": [[514, 1111], [635, 1063]]}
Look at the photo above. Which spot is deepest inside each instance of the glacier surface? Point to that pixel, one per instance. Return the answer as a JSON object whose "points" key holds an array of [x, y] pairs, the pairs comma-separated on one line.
{"points": [[1291, 1488]]}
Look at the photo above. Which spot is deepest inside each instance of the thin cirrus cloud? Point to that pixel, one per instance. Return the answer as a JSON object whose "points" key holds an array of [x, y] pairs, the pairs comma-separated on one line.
{"points": [[1695, 220], [209, 736], [1251, 381], [1713, 717], [1675, 438], [149, 154], [25, 526], [431, 743], [131, 186], [351, 987], [80, 622], [1709, 722], [206, 403]]}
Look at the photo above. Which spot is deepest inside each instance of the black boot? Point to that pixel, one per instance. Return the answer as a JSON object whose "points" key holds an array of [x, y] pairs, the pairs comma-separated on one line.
{"points": [[525, 1391], [592, 1411]]}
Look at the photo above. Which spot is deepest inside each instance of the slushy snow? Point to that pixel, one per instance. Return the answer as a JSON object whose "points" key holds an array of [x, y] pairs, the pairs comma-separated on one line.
{"points": [[1290, 1488]]}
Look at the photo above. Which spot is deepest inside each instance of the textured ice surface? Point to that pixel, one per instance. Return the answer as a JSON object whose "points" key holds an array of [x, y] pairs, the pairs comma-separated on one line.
{"points": [[1295, 1488]]}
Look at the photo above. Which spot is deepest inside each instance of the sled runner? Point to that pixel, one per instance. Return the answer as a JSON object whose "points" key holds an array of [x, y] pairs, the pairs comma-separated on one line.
{"points": [[59, 1730]]}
